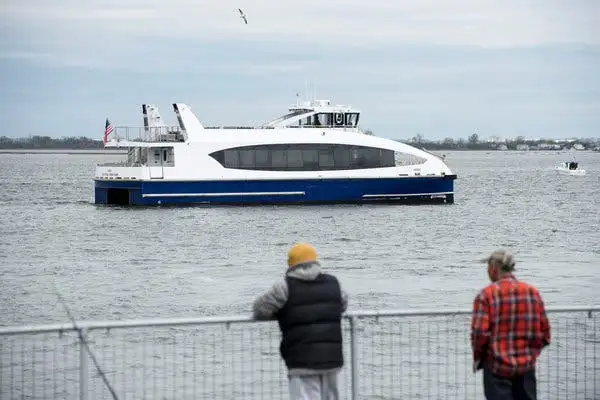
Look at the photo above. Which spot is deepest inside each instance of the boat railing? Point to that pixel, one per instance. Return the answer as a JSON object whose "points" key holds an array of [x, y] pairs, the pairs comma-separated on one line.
{"points": [[148, 134], [344, 128], [238, 127], [176, 134], [118, 164]]}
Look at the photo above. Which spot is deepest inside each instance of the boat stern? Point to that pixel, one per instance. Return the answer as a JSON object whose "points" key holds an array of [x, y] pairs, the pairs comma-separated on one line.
{"points": [[118, 185]]}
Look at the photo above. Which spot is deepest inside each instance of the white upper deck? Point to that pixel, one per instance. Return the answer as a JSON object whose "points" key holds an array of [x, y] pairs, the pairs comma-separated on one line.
{"points": [[319, 114]]}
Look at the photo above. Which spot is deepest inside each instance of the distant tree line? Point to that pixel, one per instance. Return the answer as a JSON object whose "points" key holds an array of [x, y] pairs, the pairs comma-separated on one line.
{"points": [[473, 142], [46, 142]]}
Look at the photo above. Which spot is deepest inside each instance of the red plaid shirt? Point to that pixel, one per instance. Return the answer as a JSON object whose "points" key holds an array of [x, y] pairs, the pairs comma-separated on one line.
{"points": [[509, 327]]}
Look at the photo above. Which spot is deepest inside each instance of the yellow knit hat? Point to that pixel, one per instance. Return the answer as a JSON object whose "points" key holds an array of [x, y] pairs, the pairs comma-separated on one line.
{"points": [[301, 253]]}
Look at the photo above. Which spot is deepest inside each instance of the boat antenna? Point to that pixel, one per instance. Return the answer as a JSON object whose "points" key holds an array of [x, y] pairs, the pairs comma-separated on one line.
{"points": [[85, 343], [306, 93]]}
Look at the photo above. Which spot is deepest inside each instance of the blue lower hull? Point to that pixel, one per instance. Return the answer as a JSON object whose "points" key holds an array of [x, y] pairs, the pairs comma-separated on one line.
{"points": [[301, 191]]}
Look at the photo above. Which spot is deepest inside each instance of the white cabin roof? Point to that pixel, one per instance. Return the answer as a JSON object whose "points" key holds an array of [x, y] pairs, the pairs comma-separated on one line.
{"points": [[305, 109], [322, 106]]}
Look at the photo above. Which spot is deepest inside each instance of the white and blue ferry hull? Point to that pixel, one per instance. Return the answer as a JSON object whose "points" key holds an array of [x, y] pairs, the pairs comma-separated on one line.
{"points": [[413, 190]]}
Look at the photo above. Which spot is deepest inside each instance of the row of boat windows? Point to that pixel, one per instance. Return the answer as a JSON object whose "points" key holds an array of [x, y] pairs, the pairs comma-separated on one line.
{"points": [[304, 157]]}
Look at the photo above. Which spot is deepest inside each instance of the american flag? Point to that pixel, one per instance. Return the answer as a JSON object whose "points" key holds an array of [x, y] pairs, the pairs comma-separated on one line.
{"points": [[108, 128]]}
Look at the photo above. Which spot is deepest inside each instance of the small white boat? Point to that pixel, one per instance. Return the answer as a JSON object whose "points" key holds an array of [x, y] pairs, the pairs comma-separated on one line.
{"points": [[570, 168]]}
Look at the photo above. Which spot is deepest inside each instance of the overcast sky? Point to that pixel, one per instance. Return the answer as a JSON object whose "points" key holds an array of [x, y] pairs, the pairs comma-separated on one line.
{"points": [[443, 68]]}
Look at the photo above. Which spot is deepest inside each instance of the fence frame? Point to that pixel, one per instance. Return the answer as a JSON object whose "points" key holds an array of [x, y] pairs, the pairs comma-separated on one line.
{"points": [[353, 318]]}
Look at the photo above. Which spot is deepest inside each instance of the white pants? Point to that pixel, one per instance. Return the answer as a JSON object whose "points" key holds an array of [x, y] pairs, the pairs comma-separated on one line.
{"points": [[314, 387]]}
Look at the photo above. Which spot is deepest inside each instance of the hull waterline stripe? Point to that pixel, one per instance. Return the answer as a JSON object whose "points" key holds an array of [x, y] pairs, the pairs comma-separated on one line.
{"points": [[405, 194], [222, 194]]}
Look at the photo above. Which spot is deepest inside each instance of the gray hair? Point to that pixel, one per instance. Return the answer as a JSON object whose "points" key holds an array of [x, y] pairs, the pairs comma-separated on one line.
{"points": [[502, 258]]}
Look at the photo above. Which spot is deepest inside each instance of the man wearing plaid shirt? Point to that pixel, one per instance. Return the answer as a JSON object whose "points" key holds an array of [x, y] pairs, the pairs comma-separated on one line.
{"points": [[509, 328]]}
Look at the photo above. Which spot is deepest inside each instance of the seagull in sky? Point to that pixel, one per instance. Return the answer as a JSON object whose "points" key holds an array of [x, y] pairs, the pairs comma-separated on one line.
{"points": [[243, 15]]}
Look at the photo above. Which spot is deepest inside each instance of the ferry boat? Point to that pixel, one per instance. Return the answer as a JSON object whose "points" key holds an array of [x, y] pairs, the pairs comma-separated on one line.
{"points": [[314, 154]]}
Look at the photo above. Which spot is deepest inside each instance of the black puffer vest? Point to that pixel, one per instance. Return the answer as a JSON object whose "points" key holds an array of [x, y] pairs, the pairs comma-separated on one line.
{"points": [[310, 324]]}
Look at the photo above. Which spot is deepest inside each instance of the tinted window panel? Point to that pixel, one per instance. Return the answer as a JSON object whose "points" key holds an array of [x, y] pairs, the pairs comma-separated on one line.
{"points": [[305, 157], [371, 157], [232, 158], [341, 157], [278, 159], [262, 158], [294, 159], [310, 160], [387, 158], [326, 159], [247, 158]]}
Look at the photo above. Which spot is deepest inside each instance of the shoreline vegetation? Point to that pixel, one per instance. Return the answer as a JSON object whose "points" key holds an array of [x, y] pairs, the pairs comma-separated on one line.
{"points": [[473, 142]]}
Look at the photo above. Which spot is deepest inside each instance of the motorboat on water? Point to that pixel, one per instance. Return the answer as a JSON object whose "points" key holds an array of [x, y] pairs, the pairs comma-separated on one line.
{"points": [[315, 153], [570, 168]]}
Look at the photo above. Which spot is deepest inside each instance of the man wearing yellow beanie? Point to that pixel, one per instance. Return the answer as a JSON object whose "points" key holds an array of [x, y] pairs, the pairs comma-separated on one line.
{"points": [[308, 305]]}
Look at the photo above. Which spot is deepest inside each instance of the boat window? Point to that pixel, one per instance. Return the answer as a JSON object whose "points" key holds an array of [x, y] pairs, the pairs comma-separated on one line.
{"points": [[156, 156], [133, 156], [310, 159], [232, 157], [325, 119], [262, 158], [278, 159], [339, 119], [290, 115], [326, 159], [351, 119], [247, 159], [305, 157], [294, 159], [387, 157], [335, 119], [341, 155], [407, 159]]}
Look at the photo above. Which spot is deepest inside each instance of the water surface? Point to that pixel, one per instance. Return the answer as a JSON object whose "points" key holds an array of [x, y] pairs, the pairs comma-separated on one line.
{"points": [[117, 263]]}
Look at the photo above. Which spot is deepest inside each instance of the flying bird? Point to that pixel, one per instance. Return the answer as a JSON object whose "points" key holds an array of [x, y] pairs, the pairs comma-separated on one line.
{"points": [[243, 15]]}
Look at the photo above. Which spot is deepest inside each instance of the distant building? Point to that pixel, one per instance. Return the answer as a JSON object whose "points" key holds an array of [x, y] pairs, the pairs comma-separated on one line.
{"points": [[523, 147], [548, 146]]}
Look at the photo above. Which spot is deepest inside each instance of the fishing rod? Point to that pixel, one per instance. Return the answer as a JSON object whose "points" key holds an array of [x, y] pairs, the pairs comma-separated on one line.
{"points": [[87, 347]]}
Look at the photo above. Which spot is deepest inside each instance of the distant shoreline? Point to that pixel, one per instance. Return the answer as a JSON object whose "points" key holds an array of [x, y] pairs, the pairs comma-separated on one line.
{"points": [[83, 145], [62, 151]]}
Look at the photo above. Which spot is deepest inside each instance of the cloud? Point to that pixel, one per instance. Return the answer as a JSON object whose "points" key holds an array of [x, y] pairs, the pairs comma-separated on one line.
{"points": [[119, 34], [434, 90], [435, 67], [334, 22]]}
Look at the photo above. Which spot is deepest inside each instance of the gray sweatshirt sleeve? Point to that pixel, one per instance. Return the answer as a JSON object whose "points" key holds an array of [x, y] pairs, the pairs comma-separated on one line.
{"points": [[266, 306]]}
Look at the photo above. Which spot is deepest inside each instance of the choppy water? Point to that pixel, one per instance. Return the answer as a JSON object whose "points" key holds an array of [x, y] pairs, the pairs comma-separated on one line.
{"points": [[117, 263], [130, 263]]}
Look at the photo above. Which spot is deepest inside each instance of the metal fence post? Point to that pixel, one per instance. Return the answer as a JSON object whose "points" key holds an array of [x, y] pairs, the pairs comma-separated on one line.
{"points": [[83, 368], [353, 358]]}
